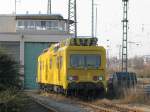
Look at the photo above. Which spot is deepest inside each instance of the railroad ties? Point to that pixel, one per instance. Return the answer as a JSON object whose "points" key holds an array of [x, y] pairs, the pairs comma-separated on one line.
{"points": [[102, 106], [109, 107]]}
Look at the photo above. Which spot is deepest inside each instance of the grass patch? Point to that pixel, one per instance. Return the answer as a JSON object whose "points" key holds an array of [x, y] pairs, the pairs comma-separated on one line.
{"points": [[133, 96], [12, 101]]}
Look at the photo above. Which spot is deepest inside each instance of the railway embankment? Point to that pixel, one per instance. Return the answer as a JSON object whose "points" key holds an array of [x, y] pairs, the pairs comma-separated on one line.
{"points": [[72, 104], [12, 100], [55, 103]]}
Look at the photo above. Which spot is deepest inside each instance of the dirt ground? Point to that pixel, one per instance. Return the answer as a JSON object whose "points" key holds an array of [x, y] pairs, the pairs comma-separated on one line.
{"points": [[34, 107]]}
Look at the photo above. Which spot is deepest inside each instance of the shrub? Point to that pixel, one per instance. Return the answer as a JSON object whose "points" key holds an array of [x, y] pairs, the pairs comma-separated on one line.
{"points": [[132, 96], [9, 72], [12, 101]]}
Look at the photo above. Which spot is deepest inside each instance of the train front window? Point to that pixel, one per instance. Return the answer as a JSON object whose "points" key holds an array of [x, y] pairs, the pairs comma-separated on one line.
{"points": [[92, 61], [85, 61], [77, 61]]}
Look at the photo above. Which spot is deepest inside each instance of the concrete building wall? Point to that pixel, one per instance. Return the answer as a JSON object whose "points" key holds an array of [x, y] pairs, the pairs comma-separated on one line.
{"points": [[30, 37], [11, 48], [24, 40], [28, 44], [7, 23]]}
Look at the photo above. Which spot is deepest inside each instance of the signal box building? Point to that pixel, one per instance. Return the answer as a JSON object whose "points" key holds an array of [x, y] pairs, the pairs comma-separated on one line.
{"points": [[24, 37]]}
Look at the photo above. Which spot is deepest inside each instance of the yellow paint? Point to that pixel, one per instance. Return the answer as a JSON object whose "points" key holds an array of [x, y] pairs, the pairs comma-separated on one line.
{"points": [[51, 72]]}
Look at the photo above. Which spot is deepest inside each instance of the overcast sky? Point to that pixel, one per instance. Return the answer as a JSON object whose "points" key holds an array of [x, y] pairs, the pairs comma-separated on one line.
{"points": [[109, 20]]}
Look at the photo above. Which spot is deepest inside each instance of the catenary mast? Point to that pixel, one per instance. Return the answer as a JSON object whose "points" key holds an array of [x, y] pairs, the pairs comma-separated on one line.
{"points": [[125, 37], [72, 15], [49, 6]]}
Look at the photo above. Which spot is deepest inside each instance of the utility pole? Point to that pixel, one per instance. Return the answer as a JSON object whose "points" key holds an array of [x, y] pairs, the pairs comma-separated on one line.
{"points": [[92, 27], [49, 6], [16, 1], [125, 37], [72, 16], [15, 7], [107, 53], [96, 21]]}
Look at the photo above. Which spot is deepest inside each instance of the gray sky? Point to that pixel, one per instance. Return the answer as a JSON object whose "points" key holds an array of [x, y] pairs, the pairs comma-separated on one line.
{"points": [[109, 20]]}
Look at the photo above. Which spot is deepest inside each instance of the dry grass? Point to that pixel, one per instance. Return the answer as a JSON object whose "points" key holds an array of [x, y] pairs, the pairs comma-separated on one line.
{"points": [[12, 101], [134, 96]]}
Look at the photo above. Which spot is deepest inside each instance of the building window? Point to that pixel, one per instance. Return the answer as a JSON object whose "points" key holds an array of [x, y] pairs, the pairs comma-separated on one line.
{"points": [[26, 24], [43, 24], [32, 24], [55, 25], [20, 23], [48, 24], [37, 25]]}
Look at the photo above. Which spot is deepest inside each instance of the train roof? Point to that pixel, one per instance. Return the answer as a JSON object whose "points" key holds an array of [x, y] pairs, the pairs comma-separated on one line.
{"points": [[76, 42], [73, 42]]}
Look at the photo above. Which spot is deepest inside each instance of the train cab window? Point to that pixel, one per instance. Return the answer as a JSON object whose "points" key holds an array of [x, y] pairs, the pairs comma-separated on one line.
{"points": [[91, 61], [77, 61]]}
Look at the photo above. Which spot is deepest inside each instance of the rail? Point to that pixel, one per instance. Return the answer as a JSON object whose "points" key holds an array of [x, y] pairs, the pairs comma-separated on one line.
{"points": [[50, 109], [109, 107], [102, 106]]}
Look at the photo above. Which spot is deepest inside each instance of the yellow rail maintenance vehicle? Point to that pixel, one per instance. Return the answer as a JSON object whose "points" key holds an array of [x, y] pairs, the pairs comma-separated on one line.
{"points": [[75, 66]]}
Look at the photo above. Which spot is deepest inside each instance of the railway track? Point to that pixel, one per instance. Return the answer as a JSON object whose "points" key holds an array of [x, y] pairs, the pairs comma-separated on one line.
{"points": [[147, 88], [47, 107], [109, 107], [102, 106], [143, 88]]}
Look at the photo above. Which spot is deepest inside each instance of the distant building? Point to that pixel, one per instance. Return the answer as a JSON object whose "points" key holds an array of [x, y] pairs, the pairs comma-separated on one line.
{"points": [[24, 37], [146, 59]]}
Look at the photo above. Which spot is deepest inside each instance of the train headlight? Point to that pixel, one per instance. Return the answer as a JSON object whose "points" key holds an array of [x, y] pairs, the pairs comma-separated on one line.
{"points": [[97, 78], [100, 78], [72, 78]]}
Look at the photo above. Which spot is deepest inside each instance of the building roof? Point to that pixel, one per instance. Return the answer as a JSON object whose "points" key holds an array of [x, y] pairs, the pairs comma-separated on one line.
{"points": [[39, 16]]}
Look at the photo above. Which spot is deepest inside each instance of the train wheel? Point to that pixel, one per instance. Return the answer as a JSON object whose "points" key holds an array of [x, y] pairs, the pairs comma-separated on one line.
{"points": [[66, 92], [101, 93]]}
